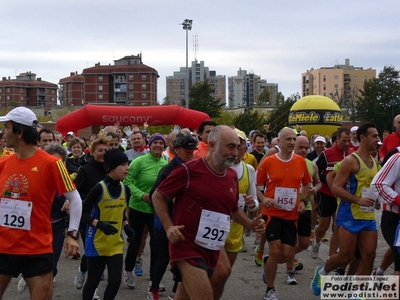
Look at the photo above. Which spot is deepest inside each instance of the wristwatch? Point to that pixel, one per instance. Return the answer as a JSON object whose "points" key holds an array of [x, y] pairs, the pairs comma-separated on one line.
{"points": [[305, 202], [74, 234]]}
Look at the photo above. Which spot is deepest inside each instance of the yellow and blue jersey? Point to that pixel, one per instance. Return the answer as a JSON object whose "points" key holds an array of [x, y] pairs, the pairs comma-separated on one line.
{"points": [[354, 185], [107, 209]]}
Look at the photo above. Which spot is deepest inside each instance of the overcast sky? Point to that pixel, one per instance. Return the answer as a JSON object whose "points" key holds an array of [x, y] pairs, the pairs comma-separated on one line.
{"points": [[277, 40]]}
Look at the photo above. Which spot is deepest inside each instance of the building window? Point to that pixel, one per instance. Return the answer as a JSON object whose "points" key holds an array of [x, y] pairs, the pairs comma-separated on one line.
{"points": [[22, 90], [131, 86], [8, 98], [130, 77], [130, 95], [53, 92], [336, 77], [355, 77], [365, 78], [144, 96], [324, 94], [144, 77], [324, 78], [100, 87], [22, 97], [100, 96], [335, 85], [7, 90], [1, 90], [100, 78], [143, 86], [355, 86], [324, 87]]}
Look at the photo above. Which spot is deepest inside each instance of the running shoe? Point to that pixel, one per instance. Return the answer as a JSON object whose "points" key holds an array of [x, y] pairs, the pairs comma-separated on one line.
{"points": [[96, 294], [290, 278], [271, 295], [315, 249], [256, 242], [244, 248], [258, 256], [316, 282], [324, 239], [264, 275], [171, 296], [80, 279], [129, 279], [339, 272], [247, 231], [298, 266], [161, 287], [153, 294], [138, 267], [21, 285]]}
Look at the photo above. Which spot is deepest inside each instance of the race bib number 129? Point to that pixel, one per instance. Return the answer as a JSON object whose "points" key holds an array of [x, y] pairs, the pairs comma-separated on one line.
{"points": [[15, 214]]}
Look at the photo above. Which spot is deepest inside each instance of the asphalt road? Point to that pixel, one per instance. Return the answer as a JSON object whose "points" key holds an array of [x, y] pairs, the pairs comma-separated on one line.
{"points": [[244, 283]]}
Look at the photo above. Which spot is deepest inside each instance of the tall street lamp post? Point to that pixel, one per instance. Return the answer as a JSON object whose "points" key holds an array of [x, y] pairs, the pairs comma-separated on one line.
{"points": [[187, 25]]}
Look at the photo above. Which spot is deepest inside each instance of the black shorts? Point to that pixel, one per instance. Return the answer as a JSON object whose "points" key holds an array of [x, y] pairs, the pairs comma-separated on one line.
{"points": [[280, 229], [195, 262], [326, 204], [304, 224], [389, 223], [28, 265]]}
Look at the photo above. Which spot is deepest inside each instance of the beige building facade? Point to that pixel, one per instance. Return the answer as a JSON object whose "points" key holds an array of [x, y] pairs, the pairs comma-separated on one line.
{"points": [[339, 81]]}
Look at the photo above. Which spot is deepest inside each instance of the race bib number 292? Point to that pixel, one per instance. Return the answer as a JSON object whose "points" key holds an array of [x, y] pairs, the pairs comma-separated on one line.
{"points": [[15, 213], [213, 230]]}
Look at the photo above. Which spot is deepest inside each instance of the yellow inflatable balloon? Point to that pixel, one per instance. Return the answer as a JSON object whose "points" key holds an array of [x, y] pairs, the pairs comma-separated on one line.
{"points": [[316, 114]]}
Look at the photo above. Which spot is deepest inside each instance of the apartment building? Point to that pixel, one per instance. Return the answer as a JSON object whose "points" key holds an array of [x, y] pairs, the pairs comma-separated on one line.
{"points": [[244, 90], [127, 82], [339, 81], [27, 90], [198, 72]]}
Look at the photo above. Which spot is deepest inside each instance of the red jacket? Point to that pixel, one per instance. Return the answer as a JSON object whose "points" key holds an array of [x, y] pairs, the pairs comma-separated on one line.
{"points": [[389, 142]]}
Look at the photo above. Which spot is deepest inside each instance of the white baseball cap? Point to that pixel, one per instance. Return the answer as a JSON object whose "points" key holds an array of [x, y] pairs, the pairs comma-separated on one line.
{"points": [[320, 139], [354, 128], [21, 115]]}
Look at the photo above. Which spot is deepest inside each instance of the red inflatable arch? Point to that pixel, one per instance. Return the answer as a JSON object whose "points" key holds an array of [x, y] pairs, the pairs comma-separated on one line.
{"points": [[104, 115]]}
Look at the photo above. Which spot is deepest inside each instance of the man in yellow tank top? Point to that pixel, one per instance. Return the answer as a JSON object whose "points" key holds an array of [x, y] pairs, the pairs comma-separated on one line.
{"points": [[355, 214]]}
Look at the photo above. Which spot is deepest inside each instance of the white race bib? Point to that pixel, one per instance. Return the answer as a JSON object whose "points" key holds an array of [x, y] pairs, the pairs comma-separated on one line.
{"points": [[15, 213], [366, 193], [285, 198], [213, 230], [241, 202]]}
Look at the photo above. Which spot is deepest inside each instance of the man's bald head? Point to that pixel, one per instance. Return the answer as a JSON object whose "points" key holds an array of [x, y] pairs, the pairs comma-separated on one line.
{"points": [[301, 146]]}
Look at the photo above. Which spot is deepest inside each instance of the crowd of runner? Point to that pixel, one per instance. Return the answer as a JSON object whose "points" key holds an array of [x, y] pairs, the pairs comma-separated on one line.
{"points": [[194, 193]]}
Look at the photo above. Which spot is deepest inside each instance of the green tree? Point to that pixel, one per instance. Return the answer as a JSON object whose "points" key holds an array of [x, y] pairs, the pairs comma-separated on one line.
{"points": [[379, 98], [279, 118], [279, 98], [226, 118], [12, 103], [166, 101], [249, 119], [201, 99], [348, 103], [263, 98]]}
